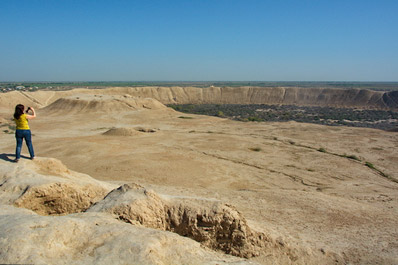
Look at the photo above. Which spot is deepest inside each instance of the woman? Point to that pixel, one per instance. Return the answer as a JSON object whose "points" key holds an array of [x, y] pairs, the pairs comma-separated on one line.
{"points": [[23, 130]]}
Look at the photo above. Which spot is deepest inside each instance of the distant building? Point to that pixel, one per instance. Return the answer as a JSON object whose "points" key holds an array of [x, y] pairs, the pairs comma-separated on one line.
{"points": [[19, 87]]}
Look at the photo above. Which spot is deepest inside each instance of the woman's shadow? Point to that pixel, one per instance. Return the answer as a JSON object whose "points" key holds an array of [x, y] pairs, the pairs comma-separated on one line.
{"points": [[6, 157]]}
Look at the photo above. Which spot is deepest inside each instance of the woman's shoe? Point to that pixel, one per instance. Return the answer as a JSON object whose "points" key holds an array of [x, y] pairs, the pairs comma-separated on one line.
{"points": [[16, 160]]}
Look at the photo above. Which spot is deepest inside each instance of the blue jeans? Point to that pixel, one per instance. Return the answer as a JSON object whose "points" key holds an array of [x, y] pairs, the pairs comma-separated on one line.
{"points": [[20, 135]]}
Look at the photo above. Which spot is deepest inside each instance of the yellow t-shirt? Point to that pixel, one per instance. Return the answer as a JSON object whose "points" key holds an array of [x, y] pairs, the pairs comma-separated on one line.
{"points": [[22, 123]]}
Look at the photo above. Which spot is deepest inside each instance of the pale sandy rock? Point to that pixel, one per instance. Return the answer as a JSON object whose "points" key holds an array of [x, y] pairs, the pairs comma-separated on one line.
{"points": [[214, 224], [46, 186], [94, 238]]}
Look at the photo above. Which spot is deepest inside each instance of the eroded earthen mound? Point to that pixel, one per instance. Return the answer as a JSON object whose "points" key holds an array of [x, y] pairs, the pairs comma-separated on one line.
{"points": [[47, 187], [210, 222], [121, 132], [101, 103], [348, 98], [95, 237], [59, 198], [128, 131]]}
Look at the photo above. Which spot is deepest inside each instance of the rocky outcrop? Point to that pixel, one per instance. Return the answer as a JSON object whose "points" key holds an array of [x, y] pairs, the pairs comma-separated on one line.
{"points": [[94, 238], [214, 224], [42, 222], [47, 187], [52, 215]]}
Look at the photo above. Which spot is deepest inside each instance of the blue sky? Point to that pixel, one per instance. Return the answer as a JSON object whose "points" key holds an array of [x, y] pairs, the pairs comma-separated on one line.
{"points": [[202, 40]]}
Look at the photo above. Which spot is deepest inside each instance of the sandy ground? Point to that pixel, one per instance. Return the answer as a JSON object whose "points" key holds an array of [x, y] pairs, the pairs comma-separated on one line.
{"points": [[314, 200]]}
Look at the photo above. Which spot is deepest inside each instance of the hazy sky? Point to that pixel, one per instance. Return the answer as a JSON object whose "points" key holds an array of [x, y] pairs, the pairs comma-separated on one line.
{"points": [[318, 40]]}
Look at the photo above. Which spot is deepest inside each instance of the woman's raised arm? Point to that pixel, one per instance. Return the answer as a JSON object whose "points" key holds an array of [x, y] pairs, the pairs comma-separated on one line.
{"points": [[29, 117]]}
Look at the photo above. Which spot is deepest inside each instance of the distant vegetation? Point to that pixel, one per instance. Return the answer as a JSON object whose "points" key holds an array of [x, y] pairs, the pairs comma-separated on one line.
{"points": [[382, 86], [380, 119]]}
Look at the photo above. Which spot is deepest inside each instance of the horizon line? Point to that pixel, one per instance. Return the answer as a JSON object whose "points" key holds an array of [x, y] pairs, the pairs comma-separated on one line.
{"points": [[192, 81]]}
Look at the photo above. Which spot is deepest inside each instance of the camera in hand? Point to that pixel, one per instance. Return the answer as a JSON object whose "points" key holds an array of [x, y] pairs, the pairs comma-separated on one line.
{"points": [[28, 109]]}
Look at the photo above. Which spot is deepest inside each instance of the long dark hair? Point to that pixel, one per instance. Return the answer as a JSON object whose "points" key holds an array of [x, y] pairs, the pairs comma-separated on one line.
{"points": [[18, 111]]}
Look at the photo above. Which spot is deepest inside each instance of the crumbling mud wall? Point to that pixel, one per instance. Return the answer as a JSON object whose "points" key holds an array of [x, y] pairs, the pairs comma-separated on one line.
{"points": [[350, 98], [214, 224], [122, 98], [92, 220], [59, 198]]}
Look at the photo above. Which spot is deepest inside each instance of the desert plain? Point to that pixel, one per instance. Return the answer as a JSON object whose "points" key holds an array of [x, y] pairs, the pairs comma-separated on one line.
{"points": [[120, 178]]}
